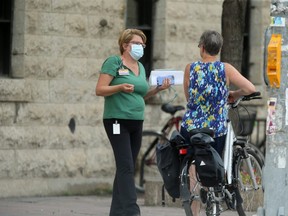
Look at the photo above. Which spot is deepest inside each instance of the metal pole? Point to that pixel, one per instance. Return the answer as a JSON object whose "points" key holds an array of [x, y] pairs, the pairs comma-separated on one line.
{"points": [[275, 172]]}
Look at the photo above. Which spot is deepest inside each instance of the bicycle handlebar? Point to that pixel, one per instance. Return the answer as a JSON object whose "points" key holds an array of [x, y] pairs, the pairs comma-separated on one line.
{"points": [[253, 96]]}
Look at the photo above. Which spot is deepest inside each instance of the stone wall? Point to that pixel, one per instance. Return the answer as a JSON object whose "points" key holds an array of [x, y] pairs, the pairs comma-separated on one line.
{"points": [[58, 49], [52, 139]]}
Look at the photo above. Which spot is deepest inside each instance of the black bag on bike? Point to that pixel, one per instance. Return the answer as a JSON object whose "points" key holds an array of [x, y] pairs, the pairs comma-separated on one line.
{"points": [[169, 168], [209, 164]]}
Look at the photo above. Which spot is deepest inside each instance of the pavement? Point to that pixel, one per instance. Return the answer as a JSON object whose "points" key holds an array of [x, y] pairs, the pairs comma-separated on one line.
{"points": [[81, 206]]}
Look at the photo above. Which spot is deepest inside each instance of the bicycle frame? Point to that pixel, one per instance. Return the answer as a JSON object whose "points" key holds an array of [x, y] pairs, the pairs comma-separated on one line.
{"points": [[228, 152], [228, 157]]}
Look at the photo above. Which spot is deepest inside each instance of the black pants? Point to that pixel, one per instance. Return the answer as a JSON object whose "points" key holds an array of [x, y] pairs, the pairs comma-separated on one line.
{"points": [[126, 146]]}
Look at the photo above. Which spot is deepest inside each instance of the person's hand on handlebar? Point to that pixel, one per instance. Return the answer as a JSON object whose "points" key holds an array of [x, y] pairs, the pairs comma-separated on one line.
{"points": [[232, 97]]}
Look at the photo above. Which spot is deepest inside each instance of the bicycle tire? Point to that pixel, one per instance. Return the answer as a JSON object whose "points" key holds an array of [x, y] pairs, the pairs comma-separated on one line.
{"points": [[251, 198], [146, 165], [213, 209], [213, 206], [258, 152]]}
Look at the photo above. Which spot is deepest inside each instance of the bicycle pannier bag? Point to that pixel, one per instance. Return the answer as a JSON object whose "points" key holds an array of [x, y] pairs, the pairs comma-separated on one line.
{"points": [[209, 164], [169, 168]]}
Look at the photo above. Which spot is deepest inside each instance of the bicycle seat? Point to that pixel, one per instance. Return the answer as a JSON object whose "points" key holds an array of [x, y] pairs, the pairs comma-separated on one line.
{"points": [[207, 131], [168, 108]]}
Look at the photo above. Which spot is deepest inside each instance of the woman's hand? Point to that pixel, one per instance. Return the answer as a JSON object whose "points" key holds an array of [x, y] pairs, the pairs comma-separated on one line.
{"points": [[233, 96], [165, 85], [128, 88], [103, 87]]}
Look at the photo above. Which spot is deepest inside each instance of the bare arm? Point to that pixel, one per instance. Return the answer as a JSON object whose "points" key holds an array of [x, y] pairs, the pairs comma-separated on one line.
{"points": [[166, 84], [234, 77], [186, 81], [103, 87]]}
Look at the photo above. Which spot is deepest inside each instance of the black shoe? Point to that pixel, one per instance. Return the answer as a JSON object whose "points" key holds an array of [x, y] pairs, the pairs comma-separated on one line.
{"points": [[203, 195]]}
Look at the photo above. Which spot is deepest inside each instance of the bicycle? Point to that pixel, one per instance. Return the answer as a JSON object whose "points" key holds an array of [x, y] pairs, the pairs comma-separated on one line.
{"points": [[150, 138], [243, 169]]}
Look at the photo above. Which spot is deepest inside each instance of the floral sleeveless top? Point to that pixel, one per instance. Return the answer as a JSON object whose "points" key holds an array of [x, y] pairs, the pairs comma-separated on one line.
{"points": [[208, 94]]}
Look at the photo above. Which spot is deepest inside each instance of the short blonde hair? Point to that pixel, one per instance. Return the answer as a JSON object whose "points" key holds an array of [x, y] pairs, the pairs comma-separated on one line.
{"points": [[127, 35]]}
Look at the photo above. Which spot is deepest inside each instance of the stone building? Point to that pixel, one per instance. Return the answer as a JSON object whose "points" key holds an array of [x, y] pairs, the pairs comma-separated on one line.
{"points": [[52, 139]]}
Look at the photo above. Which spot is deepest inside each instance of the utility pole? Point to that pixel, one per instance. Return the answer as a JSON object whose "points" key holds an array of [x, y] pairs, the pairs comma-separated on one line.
{"points": [[275, 172]]}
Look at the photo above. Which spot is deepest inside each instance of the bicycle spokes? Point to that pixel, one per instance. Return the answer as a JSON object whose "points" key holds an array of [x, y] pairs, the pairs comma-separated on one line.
{"points": [[250, 174]]}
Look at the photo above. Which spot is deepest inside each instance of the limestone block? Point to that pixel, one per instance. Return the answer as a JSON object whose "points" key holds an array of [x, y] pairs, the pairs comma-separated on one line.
{"points": [[32, 22], [41, 114], [102, 49], [7, 113], [84, 137], [76, 25], [24, 137], [14, 90], [115, 9], [41, 163], [74, 161], [73, 91], [51, 24], [58, 114], [100, 160], [175, 51], [161, 10], [93, 68], [177, 10], [39, 5], [7, 163], [196, 11], [44, 67], [70, 47], [19, 15], [39, 46], [17, 64], [75, 6], [111, 30], [76, 68], [215, 12], [48, 137]]}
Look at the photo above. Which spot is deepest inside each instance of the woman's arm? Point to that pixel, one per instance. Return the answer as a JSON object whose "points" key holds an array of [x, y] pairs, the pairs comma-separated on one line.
{"points": [[166, 84], [234, 77], [186, 81], [103, 87]]}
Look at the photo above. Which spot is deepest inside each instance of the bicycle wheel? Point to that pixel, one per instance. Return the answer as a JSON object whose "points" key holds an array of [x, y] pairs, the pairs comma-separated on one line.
{"points": [[258, 152], [251, 198], [212, 205], [212, 209], [146, 164]]}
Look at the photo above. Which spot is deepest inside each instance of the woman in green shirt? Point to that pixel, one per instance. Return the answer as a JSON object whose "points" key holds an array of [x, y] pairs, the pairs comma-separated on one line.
{"points": [[123, 84]]}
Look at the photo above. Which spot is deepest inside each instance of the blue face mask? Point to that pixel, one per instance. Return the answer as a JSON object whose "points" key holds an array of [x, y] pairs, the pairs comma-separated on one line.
{"points": [[137, 51]]}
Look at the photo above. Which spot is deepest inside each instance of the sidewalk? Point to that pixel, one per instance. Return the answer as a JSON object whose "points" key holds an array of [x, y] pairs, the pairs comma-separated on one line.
{"points": [[79, 206]]}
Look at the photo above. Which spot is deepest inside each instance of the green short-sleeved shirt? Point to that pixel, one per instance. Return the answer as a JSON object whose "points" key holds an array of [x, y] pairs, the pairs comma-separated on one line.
{"points": [[125, 105]]}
